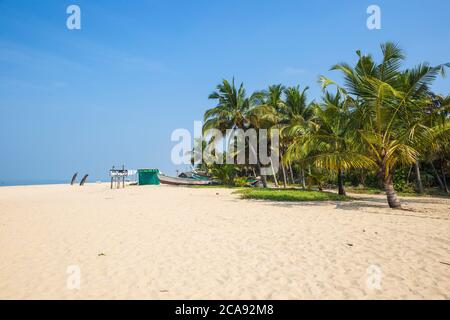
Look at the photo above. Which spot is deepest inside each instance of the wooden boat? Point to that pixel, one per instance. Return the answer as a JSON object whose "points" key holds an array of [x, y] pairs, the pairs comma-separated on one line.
{"points": [[74, 178], [182, 181], [193, 175]]}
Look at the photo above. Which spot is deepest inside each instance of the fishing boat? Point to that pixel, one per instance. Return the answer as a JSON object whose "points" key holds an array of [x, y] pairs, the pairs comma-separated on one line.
{"points": [[182, 181], [193, 175]]}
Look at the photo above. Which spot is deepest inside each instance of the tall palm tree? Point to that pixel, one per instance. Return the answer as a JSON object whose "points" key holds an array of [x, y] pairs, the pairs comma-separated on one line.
{"points": [[295, 117], [290, 114], [436, 145], [382, 106], [414, 84], [331, 144], [267, 112], [296, 103], [233, 111]]}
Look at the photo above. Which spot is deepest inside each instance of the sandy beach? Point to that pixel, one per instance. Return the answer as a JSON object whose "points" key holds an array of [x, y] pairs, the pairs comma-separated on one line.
{"points": [[162, 242]]}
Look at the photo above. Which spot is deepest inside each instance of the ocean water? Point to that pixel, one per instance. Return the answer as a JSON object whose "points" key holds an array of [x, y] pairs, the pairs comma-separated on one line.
{"points": [[30, 182], [33, 182]]}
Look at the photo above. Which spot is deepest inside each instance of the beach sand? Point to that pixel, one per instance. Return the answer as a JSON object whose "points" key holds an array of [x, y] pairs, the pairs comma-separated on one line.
{"points": [[163, 242]]}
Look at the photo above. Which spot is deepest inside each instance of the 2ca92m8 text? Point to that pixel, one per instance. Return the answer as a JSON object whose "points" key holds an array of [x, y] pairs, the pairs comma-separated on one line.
{"points": [[251, 309]]}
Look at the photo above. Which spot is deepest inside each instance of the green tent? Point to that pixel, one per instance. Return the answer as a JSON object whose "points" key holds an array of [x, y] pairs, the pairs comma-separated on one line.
{"points": [[148, 176]]}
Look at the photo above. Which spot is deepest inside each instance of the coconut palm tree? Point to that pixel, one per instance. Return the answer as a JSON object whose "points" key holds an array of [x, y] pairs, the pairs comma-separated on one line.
{"points": [[288, 114], [273, 105], [330, 144], [295, 116], [233, 111], [436, 145], [267, 115], [415, 84], [381, 109]]}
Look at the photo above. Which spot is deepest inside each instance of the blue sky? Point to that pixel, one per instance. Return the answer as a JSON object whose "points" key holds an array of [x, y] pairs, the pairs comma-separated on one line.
{"points": [[112, 92]]}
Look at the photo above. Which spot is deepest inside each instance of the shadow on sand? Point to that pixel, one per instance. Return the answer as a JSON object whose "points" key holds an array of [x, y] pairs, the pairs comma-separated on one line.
{"points": [[363, 202]]}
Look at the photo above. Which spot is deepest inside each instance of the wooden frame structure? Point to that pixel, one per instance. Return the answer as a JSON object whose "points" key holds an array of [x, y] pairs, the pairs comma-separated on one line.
{"points": [[118, 176]]}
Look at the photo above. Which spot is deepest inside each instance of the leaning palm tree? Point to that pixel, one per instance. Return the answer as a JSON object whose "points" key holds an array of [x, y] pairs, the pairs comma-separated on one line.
{"points": [[382, 107]]}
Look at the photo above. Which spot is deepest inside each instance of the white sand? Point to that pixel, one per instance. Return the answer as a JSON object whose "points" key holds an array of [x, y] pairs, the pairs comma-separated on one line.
{"points": [[162, 242]]}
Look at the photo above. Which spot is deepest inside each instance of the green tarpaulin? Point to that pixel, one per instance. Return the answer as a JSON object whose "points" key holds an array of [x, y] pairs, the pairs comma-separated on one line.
{"points": [[148, 176]]}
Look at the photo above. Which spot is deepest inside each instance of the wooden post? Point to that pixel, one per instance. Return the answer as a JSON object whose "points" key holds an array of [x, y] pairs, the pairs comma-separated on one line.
{"points": [[123, 176]]}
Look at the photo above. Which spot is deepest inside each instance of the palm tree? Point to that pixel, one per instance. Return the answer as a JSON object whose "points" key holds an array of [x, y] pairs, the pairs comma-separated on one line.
{"points": [[233, 111], [435, 146], [295, 117], [414, 84], [331, 145], [382, 106], [197, 153], [267, 115], [289, 114], [441, 135], [274, 100]]}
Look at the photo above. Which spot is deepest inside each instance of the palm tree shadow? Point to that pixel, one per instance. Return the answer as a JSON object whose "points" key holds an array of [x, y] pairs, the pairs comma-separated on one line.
{"points": [[385, 210], [360, 205], [411, 200]]}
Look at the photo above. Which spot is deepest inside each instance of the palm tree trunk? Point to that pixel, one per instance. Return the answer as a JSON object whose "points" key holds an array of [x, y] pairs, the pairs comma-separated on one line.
{"points": [[443, 177], [392, 199], [263, 177], [284, 176], [258, 166], [283, 169], [292, 173], [438, 178], [380, 176], [264, 181], [362, 179], [341, 183], [303, 178], [274, 174], [409, 174], [419, 184]]}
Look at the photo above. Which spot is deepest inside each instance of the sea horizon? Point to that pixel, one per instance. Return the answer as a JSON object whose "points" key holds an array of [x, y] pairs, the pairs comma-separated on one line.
{"points": [[30, 182], [35, 182]]}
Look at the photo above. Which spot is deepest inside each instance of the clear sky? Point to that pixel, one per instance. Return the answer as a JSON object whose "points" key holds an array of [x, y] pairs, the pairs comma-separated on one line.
{"points": [[112, 92]]}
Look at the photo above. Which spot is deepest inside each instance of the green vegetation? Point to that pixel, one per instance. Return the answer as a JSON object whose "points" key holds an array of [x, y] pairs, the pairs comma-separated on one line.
{"points": [[365, 190], [383, 128], [214, 186], [291, 195], [427, 192]]}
